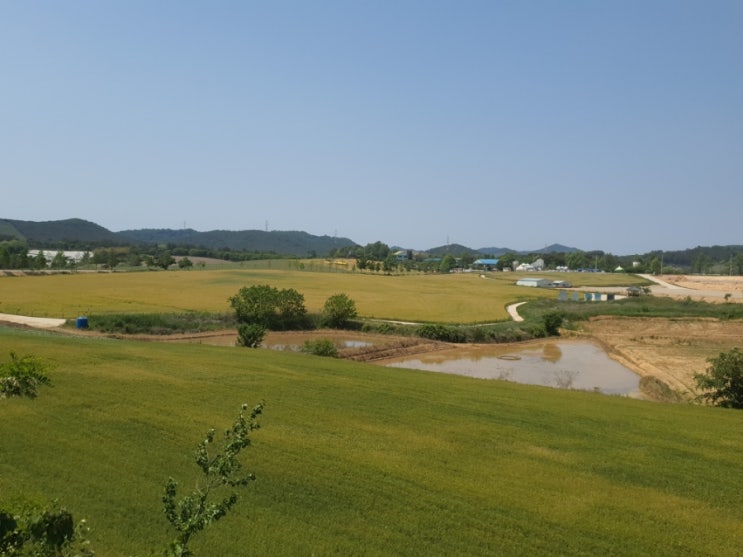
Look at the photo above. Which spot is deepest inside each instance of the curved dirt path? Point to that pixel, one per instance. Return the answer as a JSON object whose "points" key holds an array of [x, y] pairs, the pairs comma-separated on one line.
{"points": [[513, 311]]}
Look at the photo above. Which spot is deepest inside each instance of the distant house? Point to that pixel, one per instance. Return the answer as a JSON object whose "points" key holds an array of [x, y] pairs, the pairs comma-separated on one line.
{"points": [[534, 282], [403, 255]]}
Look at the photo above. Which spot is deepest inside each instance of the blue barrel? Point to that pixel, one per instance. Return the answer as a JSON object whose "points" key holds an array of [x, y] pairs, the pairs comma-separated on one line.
{"points": [[82, 322]]}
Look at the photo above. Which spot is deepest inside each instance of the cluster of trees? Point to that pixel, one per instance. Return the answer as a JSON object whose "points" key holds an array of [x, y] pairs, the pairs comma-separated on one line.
{"points": [[703, 260], [14, 254], [260, 308]]}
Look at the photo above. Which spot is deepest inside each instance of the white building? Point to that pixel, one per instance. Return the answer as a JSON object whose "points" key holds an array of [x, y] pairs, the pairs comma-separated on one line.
{"points": [[74, 256], [534, 282]]}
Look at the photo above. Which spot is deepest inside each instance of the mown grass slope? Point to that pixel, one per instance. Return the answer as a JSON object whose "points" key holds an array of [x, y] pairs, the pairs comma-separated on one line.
{"points": [[354, 459]]}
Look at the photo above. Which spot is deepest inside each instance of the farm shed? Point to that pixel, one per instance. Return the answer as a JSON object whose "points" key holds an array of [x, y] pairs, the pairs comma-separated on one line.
{"points": [[534, 282]]}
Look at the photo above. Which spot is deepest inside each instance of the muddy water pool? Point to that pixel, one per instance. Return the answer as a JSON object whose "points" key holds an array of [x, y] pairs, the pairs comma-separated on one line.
{"points": [[566, 365]]}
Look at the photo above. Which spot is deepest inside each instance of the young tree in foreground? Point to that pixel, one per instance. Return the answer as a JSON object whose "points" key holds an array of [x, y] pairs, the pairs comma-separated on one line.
{"points": [[194, 512], [722, 384]]}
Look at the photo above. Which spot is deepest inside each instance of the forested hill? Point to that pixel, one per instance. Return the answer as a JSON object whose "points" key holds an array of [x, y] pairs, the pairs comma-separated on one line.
{"points": [[57, 232], [278, 241], [82, 234]]}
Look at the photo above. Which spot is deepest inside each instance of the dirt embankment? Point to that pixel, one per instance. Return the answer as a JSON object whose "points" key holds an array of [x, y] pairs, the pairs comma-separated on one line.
{"points": [[671, 350]]}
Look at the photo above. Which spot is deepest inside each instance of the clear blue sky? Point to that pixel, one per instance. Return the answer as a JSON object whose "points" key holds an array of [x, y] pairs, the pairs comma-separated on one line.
{"points": [[614, 125]]}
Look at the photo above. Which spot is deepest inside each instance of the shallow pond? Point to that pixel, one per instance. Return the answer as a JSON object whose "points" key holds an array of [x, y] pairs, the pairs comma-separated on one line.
{"points": [[566, 365]]}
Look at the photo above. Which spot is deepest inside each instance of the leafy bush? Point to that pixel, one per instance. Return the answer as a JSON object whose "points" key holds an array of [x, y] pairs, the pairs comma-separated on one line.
{"points": [[722, 384], [552, 322], [250, 335], [320, 347], [160, 323], [536, 330], [47, 531], [22, 376], [442, 333], [337, 311]]}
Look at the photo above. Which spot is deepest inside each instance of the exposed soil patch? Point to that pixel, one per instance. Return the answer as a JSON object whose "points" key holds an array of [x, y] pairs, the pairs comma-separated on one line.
{"points": [[715, 289], [670, 350]]}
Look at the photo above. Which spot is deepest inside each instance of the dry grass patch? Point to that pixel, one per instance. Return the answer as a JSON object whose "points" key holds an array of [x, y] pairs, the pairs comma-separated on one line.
{"points": [[453, 298]]}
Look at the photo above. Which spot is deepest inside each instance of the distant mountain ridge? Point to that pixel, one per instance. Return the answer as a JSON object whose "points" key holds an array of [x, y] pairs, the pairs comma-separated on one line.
{"points": [[80, 233], [278, 241], [458, 249], [69, 230]]}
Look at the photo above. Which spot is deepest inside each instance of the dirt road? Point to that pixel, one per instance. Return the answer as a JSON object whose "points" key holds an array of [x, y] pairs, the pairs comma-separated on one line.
{"points": [[698, 287], [36, 322]]}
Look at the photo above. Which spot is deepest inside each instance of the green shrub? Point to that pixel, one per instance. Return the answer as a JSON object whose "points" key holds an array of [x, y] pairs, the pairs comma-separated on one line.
{"points": [[22, 376], [442, 333], [552, 322], [250, 335], [722, 384], [321, 347], [338, 310], [47, 531], [160, 323]]}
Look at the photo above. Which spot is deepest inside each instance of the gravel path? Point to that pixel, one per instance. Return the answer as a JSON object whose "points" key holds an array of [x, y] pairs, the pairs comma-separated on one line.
{"points": [[513, 311], [38, 322]]}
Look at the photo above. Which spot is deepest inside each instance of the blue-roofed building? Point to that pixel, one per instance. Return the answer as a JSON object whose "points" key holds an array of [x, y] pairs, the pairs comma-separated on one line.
{"points": [[485, 264]]}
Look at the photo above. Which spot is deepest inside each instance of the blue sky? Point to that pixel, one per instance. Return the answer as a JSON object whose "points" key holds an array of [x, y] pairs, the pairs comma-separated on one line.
{"points": [[614, 125]]}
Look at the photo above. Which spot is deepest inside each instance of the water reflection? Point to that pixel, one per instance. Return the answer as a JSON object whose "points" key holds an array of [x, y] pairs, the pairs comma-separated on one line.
{"points": [[565, 365]]}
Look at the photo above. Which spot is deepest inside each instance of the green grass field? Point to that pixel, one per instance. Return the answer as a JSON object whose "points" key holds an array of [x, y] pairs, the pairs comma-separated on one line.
{"points": [[451, 298], [354, 459]]}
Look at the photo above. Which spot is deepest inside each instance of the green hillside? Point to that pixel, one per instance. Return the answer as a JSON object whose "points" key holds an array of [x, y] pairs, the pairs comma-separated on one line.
{"points": [[82, 233], [296, 243], [355, 459], [9, 232], [60, 231]]}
